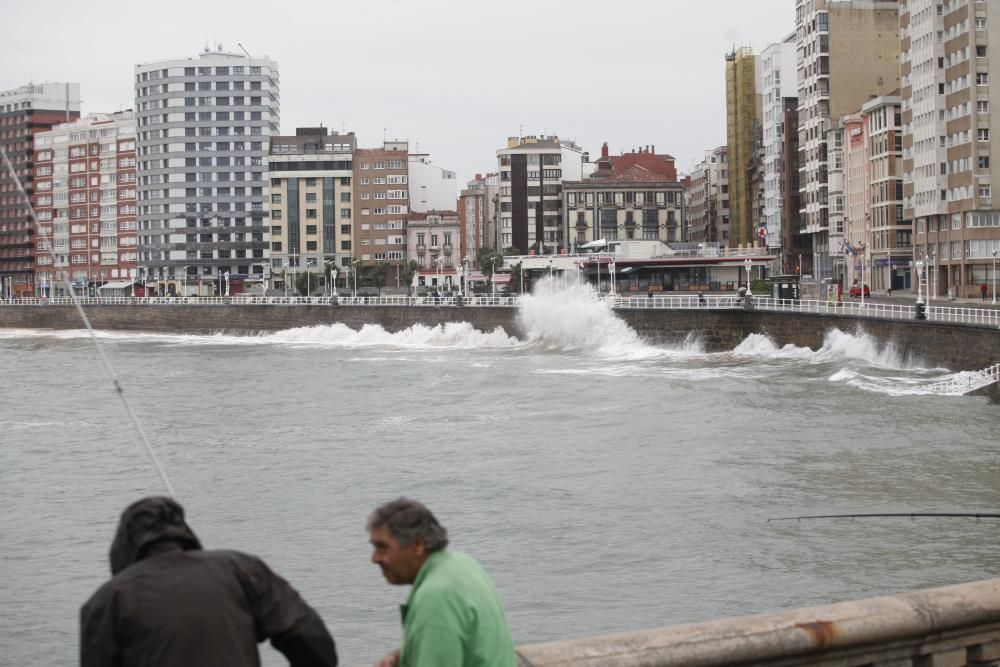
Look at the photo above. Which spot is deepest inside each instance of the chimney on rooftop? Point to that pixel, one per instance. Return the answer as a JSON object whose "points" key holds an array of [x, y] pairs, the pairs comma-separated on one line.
{"points": [[604, 150]]}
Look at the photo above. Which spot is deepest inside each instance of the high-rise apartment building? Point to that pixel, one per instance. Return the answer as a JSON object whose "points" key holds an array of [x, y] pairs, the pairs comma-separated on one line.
{"points": [[949, 51], [203, 129], [777, 93], [532, 170], [381, 203], [85, 200], [311, 202], [846, 52], [24, 112], [742, 122]]}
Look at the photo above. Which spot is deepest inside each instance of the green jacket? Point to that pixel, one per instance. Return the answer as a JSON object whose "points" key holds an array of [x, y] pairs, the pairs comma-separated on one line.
{"points": [[454, 617]]}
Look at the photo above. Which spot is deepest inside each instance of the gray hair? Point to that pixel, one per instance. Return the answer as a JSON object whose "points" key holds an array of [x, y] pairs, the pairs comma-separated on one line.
{"points": [[409, 521]]}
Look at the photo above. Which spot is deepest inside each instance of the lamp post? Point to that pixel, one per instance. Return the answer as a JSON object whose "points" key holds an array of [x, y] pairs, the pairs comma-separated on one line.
{"points": [[919, 266], [994, 277], [612, 271], [749, 264], [226, 276], [493, 277], [459, 273], [286, 278], [354, 270]]}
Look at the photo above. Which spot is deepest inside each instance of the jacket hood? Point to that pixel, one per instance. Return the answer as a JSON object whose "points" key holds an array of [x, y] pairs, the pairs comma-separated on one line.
{"points": [[153, 519]]}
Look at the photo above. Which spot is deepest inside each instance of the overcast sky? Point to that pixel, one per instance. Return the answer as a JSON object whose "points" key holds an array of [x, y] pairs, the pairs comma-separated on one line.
{"points": [[455, 77]]}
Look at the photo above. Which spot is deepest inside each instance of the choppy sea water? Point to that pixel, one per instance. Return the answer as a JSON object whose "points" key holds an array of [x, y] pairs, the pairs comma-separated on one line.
{"points": [[607, 484]]}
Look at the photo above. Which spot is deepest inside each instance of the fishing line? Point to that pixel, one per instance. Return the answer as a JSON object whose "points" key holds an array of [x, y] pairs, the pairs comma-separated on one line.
{"points": [[68, 286], [892, 515]]}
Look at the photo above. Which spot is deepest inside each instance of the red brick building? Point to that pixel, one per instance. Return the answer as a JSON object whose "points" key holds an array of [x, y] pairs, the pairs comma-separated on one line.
{"points": [[24, 112]]}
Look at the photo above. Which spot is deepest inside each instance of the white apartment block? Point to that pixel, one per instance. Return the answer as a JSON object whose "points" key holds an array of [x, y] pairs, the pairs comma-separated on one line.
{"points": [[203, 130], [949, 52], [777, 79]]}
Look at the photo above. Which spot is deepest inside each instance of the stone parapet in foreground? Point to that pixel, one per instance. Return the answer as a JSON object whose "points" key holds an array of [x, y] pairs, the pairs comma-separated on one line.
{"points": [[940, 627]]}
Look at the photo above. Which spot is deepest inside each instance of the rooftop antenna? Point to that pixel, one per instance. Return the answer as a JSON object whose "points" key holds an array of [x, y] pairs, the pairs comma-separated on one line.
{"points": [[243, 50]]}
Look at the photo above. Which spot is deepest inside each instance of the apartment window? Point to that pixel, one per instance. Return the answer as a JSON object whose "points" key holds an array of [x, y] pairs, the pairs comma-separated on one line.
{"points": [[982, 78], [984, 190], [980, 51], [311, 246], [310, 197], [310, 214], [311, 229], [983, 134], [980, 23], [982, 106], [345, 229], [984, 161]]}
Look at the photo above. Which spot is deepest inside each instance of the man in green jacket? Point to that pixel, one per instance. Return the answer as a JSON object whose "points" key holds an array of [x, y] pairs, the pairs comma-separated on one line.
{"points": [[453, 617]]}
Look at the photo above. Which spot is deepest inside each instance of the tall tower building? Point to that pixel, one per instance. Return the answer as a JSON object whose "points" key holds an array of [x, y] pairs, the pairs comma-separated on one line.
{"points": [[778, 91], [24, 112], [85, 200], [203, 129], [742, 114], [949, 52], [846, 52], [311, 202]]}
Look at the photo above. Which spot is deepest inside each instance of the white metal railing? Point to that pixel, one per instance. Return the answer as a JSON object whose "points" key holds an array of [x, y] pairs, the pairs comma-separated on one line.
{"points": [[975, 316], [967, 382]]}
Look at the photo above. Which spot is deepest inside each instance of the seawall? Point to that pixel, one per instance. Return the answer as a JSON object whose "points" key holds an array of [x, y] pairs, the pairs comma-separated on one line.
{"points": [[953, 346]]}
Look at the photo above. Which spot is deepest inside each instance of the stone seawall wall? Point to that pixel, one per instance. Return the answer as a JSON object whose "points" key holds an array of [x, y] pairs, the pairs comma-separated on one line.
{"points": [[958, 347]]}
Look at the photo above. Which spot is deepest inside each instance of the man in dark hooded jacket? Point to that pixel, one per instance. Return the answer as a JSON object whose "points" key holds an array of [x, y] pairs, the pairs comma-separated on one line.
{"points": [[170, 603]]}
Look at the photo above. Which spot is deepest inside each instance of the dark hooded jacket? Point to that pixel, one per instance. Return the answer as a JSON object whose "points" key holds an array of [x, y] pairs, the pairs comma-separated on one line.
{"points": [[172, 604]]}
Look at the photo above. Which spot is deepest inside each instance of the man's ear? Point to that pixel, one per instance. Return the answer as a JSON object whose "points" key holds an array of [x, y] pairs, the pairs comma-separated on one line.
{"points": [[420, 547]]}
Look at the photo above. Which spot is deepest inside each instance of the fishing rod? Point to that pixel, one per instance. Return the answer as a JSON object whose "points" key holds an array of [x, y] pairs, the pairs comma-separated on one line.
{"points": [[68, 286], [912, 515]]}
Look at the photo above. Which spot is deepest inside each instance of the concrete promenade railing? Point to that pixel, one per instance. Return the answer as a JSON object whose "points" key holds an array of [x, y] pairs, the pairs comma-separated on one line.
{"points": [[974, 316], [940, 627]]}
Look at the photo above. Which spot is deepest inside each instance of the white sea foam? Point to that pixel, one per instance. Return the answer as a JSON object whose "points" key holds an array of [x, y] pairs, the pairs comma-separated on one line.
{"points": [[564, 315], [762, 346]]}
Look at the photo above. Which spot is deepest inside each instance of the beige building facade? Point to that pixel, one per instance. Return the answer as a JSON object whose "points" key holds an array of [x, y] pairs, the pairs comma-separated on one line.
{"points": [[846, 52], [311, 204]]}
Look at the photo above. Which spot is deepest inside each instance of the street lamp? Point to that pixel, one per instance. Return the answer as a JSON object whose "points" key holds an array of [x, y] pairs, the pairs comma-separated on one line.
{"points": [[286, 278], [226, 276], [184, 280], [749, 264], [354, 270], [459, 273], [493, 277]]}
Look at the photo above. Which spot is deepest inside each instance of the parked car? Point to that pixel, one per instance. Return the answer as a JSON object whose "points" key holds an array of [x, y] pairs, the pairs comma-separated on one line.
{"points": [[856, 291]]}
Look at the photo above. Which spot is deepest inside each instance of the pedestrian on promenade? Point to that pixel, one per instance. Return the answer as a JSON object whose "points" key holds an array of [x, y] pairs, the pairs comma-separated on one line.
{"points": [[170, 603], [453, 616], [983, 289]]}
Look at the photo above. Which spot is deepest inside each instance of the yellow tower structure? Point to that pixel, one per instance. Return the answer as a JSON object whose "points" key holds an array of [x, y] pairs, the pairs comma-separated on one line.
{"points": [[742, 112]]}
